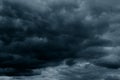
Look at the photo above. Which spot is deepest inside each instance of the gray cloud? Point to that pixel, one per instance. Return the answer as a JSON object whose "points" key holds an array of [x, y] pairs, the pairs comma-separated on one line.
{"points": [[36, 33], [80, 71]]}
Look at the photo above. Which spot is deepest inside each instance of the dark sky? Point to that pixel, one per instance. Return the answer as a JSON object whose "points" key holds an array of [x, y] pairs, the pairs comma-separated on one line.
{"points": [[37, 34]]}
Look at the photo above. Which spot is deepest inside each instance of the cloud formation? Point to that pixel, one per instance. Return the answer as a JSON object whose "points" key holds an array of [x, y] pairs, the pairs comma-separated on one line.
{"points": [[82, 70], [35, 33]]}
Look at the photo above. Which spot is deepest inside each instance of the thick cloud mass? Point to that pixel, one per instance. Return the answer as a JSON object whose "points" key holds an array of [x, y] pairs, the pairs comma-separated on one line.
{"points": [[82, 70], [41, 33]]}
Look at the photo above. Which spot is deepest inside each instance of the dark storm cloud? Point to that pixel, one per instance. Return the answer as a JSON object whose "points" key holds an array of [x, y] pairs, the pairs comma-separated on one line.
{"points": [[34, 33], [111, 60]]}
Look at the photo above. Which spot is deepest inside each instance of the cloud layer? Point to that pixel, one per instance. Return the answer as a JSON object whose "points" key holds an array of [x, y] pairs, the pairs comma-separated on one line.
{"points": [[82, 70], [36, 33]]}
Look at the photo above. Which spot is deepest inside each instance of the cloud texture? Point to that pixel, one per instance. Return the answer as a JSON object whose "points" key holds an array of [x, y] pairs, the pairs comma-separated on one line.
{"points": [[37, 33]]}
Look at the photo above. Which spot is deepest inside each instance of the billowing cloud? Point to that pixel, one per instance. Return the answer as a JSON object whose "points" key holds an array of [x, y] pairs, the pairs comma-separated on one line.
{"points": [[80, 71], [37, 33]]}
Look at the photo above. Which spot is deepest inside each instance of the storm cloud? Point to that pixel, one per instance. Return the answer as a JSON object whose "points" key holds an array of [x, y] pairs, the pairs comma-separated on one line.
{"points": [[37, 34]]}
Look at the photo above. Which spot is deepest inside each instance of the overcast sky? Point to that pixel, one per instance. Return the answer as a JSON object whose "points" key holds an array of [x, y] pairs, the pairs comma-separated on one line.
{"points": [[59, 39]]}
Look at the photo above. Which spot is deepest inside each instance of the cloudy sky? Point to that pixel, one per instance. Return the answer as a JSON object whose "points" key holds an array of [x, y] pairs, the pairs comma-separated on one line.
{"points": [[59, 39]]}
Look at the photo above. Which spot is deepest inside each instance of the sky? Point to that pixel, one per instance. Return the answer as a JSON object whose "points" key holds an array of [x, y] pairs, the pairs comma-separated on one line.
{"points": [[59, 39]]}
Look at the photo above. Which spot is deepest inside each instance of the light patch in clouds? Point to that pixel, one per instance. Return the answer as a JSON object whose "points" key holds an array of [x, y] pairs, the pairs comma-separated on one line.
{"points": [[82, 70]]}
